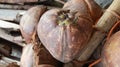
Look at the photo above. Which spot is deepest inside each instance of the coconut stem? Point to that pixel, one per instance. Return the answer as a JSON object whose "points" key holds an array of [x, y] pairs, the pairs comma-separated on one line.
{"points": [[66, 18]]}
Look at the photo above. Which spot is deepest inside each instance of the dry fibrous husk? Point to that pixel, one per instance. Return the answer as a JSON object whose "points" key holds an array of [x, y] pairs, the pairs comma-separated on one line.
{"points": [[64, 32]]}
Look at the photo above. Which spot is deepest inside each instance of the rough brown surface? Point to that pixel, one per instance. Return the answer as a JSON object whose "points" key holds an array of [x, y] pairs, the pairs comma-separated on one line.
{"points": [[43, 58], [88, 8], [64, 40]]}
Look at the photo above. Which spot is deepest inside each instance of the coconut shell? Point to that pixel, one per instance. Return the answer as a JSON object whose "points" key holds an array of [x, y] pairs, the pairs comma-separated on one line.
{"points": [[29, 22], [63, 42], [111, 51], [85, 7]]}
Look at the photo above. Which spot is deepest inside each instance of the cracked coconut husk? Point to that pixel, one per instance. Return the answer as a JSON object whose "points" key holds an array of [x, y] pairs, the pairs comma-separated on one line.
{"points": [[43, 58]]}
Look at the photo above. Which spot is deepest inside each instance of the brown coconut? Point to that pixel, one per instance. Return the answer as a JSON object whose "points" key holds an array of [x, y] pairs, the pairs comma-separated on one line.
{"points": [[29, 21], [111, 51], [64, 32]]}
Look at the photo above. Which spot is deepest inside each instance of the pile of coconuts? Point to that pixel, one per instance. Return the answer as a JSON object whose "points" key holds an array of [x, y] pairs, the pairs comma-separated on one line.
{"points": [[56, 36]]}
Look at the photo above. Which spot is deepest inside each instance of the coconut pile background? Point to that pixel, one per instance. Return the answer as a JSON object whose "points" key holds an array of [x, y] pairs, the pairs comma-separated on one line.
{"points": [[11, 41]]}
